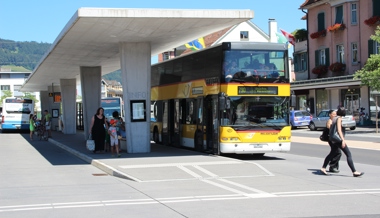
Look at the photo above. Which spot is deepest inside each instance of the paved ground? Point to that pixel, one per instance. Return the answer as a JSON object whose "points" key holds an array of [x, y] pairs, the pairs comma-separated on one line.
{"points": [[174, 182], [169, 159]]}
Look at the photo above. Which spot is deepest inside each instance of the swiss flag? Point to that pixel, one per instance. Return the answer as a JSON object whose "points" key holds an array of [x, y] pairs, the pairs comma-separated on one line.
{"points": [[289, 37]]}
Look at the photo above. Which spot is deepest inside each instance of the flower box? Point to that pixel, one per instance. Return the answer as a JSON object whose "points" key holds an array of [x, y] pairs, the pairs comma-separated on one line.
{"points": [[336, 27], [337, 67], [375, 20], [315, 35], [321, 69]]}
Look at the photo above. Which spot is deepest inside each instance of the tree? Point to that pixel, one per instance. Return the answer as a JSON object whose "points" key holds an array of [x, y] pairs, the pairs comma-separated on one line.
{"points": [[370, 73], [300, 34], [6, 94]]}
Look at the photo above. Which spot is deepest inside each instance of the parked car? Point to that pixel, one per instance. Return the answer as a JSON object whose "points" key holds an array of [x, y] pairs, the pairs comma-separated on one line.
{"points": [[320, 121], [300, 118]]}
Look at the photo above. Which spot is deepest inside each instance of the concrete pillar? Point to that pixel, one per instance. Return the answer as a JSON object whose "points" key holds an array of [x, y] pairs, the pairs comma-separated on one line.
{"points": [[44, 97], [135, 61], [68, 94], [90, 78]]}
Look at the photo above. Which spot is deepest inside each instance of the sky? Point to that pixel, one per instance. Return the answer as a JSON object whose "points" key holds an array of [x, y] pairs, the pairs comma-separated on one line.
{"points": [[43, 20]]}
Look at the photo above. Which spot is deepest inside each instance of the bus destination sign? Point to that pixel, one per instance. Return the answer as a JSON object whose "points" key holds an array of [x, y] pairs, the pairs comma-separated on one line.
{"points": [[257, 90]]}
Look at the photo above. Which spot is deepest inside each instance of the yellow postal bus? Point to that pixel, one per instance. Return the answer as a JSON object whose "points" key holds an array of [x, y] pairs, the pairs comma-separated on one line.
{"points": [[229, 98]]}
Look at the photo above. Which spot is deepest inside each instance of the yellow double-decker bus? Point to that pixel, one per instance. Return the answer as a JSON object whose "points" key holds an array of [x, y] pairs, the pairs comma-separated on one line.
{"points": [[229, 98]]}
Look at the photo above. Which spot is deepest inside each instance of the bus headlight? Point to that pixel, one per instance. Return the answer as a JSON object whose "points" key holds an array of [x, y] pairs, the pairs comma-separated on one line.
{"points": [[234, 139], [224, 139]]}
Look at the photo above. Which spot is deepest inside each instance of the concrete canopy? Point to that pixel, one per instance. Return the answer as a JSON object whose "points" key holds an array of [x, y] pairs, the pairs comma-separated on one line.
{"points": [[92, 37]]}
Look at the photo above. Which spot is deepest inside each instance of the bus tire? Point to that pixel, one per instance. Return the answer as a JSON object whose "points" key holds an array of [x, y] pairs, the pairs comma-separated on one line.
{"points": [[198, 140], [156, 137]]}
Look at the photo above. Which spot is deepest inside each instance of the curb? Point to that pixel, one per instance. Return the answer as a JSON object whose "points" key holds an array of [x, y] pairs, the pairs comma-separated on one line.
{"points": [[96, 163]]}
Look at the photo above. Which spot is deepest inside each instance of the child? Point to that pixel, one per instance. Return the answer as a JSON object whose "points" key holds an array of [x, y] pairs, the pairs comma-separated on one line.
{"points": [[31, 126], [113, 137]]}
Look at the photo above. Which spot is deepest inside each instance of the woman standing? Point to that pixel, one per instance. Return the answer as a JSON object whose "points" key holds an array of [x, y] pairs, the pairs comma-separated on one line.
{"points": [[98, 129], [340, 145]]}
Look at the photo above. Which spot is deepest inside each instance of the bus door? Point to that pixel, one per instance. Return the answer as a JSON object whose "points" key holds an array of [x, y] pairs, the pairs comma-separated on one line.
{"points": [[175, 127], [165, 123], [182, 120], [198, 137], [211, 123]]}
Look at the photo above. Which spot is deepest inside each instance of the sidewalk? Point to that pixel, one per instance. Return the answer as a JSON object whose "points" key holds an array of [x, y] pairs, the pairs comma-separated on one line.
{"points": [[134, 166]]}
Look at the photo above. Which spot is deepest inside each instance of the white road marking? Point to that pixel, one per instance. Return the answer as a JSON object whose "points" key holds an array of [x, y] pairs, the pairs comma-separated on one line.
{"points": [[66, 205], [178, 164]]}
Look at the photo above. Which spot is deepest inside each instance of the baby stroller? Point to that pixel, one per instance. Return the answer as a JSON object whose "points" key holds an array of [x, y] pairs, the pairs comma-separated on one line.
{"points": [[40, 129]]}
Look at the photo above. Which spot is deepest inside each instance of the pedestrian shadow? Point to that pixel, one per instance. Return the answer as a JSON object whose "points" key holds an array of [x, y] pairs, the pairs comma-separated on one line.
{"points": [[319, 173]]}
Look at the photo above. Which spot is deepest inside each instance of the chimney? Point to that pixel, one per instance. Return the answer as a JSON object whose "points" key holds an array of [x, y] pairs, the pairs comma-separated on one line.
{"points": [[272, 30]]}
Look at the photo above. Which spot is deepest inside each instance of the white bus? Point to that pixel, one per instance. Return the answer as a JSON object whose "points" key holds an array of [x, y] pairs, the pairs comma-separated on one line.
{"points": [[111, 104], [16, 113]]}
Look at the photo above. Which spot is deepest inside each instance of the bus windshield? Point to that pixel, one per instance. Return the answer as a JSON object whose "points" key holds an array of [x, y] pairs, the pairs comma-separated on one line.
{"points": [[254, 66], [256, 111], [110, 105]]}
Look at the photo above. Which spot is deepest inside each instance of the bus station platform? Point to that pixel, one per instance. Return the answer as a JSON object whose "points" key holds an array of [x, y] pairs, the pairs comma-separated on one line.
{"points": [[158, 164]]}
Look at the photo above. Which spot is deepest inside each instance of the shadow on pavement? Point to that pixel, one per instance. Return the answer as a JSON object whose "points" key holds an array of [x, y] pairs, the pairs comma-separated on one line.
{"points": [[52, 153]]}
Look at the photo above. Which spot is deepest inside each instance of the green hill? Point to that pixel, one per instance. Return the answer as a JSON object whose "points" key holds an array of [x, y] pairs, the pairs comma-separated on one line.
{"points": [[24, 56]]}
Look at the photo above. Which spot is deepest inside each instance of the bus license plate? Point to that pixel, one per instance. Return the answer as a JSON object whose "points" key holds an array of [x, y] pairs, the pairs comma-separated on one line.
{"points": [[257, 145]]}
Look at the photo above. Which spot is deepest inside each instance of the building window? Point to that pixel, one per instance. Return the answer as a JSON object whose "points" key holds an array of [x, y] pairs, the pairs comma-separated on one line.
{"points": [[5, 87], [340, 53], [354, 14], [303, 61], [5, 75], [321, 22], [16, 88], [244, 36], [322, 100], [322, 57], [373, 47], [354, 52], [376, 7], [339, 14], [166, 56]]}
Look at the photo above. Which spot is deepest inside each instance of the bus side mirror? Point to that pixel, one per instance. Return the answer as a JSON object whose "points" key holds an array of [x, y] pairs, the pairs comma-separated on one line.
{"points": [[293, 100]]}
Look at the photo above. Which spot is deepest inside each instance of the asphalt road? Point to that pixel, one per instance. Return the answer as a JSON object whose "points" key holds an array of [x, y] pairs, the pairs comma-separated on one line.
{"points": [[365, 156], [38, 179]]}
